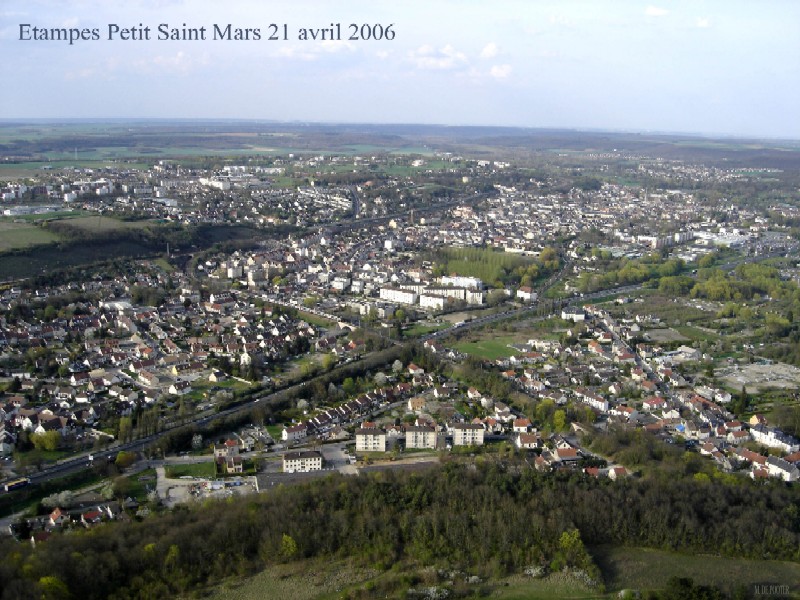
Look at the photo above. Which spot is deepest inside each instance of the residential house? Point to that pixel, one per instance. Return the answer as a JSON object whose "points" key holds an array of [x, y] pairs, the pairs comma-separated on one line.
{"points": [[528, 441], [294, 433], [522, 425], [416, 404], [180, 388], [778, 467]]}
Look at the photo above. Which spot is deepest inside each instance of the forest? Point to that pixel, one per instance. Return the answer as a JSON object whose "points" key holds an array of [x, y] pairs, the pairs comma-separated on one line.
{"points": [[491, 519]]}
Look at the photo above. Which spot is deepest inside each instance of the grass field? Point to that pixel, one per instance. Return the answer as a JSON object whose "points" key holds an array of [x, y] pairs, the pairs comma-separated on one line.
{"points": [[623, 568], [696, 334], [15, 236], [140, 483], [306, 580], [419, 329], [314, 319], [640, 568], [203, 469], [275, 431], [489, 349], [48, 216], [99, 223]]}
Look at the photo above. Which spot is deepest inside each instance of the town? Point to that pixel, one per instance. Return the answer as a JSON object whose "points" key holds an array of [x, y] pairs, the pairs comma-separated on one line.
{"points": [[389, 311]]}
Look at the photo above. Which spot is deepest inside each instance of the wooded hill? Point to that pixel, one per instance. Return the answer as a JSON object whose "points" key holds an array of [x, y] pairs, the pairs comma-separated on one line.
{"points": [[491, 519]]}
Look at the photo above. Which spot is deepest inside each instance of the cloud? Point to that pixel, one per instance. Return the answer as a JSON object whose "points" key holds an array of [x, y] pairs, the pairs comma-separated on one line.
{"points": [[490, 50], [500, 71], [702, 23], [180, 62], [336, 46], [295, 52], [655, 11], [446, 58], [85, 73]]}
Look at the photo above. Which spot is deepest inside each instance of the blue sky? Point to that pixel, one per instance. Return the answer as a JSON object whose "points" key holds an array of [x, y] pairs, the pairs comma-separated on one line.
{"points": [[702, 66]]}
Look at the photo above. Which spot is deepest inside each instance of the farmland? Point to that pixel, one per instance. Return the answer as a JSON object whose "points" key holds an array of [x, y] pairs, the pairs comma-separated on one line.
{"points": [[16, 235]]}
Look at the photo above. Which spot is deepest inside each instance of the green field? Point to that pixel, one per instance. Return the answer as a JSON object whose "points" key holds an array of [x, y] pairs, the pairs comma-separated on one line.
{"points": [[641, 568], [696, 334], [419, 329], [623, 569], [99, 223], [314, 319], [306, 580], [49, 216], [138, 488], [14, 236], [203, 469], [490, 349], [275, 431]]}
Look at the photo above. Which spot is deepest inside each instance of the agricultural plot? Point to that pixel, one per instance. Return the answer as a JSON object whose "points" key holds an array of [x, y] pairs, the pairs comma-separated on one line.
{"points": [[665, 336], [16, 236], [101, 224]]}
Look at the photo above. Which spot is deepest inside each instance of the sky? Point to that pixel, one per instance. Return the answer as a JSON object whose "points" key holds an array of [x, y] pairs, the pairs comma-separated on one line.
{"points": [[716, 67]]}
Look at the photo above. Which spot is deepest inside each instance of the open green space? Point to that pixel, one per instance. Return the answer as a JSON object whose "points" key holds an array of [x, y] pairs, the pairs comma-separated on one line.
{"points": [[696, 334], [203, 469], [623, 569], [14, 236], [275, 431], [298, 581], [140, 483], [314, 319], [489, 349], [420, 329], [49, 216], [99, 223], [643, 568]]}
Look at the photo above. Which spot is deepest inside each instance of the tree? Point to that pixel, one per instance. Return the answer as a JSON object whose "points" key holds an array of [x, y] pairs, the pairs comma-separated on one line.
{"points": [[53, 588], [121, 488], [288, 547], [329, 361], [397, 367], [125, 429], [559, 420], [125, 459], [49, 440], [349, 386]]}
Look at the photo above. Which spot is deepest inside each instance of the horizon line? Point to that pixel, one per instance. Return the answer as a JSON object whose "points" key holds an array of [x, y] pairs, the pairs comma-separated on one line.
{"points": [[302, 122]]}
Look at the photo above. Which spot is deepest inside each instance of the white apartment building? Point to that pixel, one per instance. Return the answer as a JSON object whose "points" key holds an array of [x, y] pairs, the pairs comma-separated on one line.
{"points": [[370, 440], [467, 434], [302, 462], [398, 295], [420, 437]]}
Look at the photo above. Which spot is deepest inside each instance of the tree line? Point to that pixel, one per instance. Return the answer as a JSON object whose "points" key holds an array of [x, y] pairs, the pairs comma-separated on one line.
{"points": [[491, 519]]}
